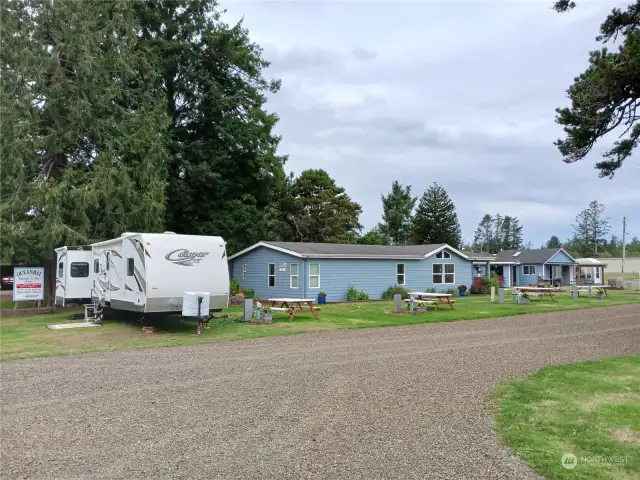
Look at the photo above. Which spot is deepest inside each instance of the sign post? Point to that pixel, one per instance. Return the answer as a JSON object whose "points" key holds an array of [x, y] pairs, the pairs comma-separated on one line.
{"points": [[28, 284]]}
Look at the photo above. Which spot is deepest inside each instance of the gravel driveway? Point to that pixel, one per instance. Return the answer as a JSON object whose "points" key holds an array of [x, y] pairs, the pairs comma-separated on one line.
{"points": [[403, 402]]}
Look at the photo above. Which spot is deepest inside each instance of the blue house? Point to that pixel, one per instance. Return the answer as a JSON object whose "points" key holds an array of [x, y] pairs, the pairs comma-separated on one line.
{"points": [[302, 270], [549, 266]]}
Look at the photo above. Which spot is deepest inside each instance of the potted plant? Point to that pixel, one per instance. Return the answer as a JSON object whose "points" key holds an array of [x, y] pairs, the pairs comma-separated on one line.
{"points": [[462, 290], [525, 299], [322, 298], [267, 315]]}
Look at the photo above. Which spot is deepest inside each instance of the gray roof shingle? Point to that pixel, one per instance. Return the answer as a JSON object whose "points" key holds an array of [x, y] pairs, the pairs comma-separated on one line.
{"points": [[355, 251], [539, 255]]}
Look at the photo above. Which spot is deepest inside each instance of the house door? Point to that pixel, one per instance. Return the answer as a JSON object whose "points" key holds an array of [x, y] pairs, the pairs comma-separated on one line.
{"points": [[514, 275]]}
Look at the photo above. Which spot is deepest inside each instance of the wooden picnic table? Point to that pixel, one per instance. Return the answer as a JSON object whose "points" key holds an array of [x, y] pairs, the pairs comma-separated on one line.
{"points": [[540, 291], [441, 298], [293, 306], [597, 288]]}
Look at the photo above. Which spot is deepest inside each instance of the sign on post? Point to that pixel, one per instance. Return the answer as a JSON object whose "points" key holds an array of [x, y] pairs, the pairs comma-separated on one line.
{"points": [[28, 283]]}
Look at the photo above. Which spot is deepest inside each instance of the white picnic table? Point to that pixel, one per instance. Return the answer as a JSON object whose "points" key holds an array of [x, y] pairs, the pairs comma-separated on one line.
{"points": [[441, 298], [293, 306], [541, 291]]}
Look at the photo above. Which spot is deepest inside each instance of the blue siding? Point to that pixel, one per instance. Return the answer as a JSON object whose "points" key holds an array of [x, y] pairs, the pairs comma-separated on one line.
{"points": [[524, 280], [372, 275], [257, 262], [560, 257]]}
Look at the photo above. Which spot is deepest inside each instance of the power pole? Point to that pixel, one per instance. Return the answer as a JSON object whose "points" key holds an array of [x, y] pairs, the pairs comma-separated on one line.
{"points": [[624, 234]]}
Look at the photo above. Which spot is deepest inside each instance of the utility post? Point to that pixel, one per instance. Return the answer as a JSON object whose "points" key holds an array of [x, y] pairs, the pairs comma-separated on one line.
{"points": [[624, 235]]}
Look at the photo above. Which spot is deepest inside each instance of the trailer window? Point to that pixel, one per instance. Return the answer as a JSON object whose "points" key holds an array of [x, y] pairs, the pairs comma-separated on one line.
{"points": [[272, 275], [96, 265], [60, 269], [130, 267], [79, 269], [107, 261]]}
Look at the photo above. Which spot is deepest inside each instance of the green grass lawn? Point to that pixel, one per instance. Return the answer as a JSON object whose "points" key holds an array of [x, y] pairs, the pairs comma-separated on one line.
{"points": [[23, 337], [590, 410]]}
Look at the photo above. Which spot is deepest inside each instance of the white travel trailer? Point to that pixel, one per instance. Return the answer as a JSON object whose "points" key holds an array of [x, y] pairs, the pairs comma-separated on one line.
{"points": [[73, 279], [150, 272]]}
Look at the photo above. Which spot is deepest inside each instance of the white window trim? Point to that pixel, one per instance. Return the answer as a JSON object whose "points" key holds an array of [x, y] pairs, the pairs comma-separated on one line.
{"points": [[269, 275], [404, 274], [244, 271], [291, 275], [444, 274], [530, 267], [310, 287]]}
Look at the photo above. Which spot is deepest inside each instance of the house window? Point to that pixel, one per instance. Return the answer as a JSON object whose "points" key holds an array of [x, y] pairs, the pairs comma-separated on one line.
{"points": [[96, 265], [314, 275], [400, 274], [244, 271], [443, 254], [79, 269], [293, 275], [60, 269], [444, 273], [130, 267], [272, 275], [529, 270]]}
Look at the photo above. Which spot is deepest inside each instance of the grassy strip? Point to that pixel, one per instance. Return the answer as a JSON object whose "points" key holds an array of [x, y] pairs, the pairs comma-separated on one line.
{"points": [[589, 410], [24, 337]]}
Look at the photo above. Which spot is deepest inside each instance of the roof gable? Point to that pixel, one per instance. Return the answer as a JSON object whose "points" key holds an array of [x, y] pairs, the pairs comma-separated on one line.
{"points": [[535, 256]]}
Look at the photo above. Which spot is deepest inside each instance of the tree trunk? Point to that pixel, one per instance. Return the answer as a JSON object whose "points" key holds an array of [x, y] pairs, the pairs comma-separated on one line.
{"points": [[50, 283]]}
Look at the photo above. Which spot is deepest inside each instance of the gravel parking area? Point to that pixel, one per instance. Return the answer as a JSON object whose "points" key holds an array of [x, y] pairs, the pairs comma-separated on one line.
{"points": [[403, 402]]}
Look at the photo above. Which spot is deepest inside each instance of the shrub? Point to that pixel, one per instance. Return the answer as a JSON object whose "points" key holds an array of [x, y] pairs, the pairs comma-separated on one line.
{"points": [[391, 291], [248, 292], [431, 290], [234, 287], [452, 291], [352, 293], [363, 295], [488, 282]]}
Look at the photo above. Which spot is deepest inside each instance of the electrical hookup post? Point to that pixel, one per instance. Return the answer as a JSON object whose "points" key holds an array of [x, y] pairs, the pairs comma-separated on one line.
{"points": [[28, 284], [196, 305]]}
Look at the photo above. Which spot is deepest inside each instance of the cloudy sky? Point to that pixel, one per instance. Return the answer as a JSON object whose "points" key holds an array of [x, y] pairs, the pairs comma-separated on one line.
{"points": [[458, 92]]}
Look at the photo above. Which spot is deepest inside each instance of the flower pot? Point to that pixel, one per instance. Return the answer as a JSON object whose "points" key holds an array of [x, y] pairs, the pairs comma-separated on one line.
{"points": [[524, 301], [322, 299], [266, 317], [422, 309], [462, 293], [599, 296]]}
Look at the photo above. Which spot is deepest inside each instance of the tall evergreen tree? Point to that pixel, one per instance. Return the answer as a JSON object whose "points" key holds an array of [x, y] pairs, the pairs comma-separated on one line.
{"points": [[223, 151], [397, 207], [512, 234], [322, 211], [591, 227], [484, 234], [82, 157], [553, 242], [436, 220]]}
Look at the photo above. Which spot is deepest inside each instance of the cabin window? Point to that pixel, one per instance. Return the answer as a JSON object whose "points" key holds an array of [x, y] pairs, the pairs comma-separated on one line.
{"points": [[60, 269], [400, 274], [130, 267], [244, 271], [597, 272], [443, 254], [293, 275], [444, 273], [272, 275], [314, 275], [529, 270], [79, 269], [96, 265], [108, 259]]}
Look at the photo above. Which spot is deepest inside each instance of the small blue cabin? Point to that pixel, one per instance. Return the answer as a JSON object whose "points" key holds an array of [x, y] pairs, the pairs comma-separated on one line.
{"points": [[302, 270]]}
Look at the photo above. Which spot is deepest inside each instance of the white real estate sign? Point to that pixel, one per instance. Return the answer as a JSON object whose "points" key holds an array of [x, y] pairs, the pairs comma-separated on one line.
{"points": [[28, 283]]}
